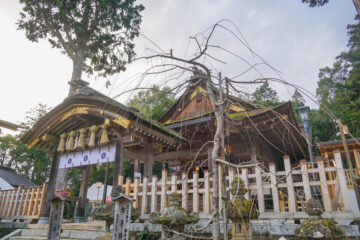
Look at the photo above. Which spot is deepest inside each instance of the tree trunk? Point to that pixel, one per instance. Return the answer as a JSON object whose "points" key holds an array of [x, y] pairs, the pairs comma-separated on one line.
{"points": [[357, 6], [78, 64], [217, 138]]}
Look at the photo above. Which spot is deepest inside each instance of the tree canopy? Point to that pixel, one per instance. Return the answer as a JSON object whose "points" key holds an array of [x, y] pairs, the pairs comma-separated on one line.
{"points": [[315, 3], [97, 35], [265, 96]]}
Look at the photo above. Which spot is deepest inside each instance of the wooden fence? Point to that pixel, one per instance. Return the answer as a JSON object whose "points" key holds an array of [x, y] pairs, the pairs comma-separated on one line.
{"points": [[22, 203], [271, 190]]}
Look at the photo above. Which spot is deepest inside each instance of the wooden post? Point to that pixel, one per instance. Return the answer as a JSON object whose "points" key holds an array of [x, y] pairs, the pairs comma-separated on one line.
{"points": [[184, 193], [173, 183], [274, 189], [42, 200], [231, 179], [196, 191], [259, 189], [206, 192], [244, 177], [144, 196], [136, 192], [305, 179], [80, 211], [35, 209], [153, 206], [119, 158], [17, 200], [148, 171], [56, 213], [122, 217], [121, 180], [356, 158], [164, 177], [342, 180], [31, 202], [289, 184], [127, 186], [26, 202], [11, 200], [324, 186]]}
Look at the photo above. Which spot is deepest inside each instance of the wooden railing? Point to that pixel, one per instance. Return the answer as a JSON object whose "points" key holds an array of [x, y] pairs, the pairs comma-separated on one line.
{"points": [[271, 190], [22, 203], [349, 181]]}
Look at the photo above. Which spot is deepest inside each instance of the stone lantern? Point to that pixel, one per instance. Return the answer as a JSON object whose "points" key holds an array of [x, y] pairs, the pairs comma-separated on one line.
{"points": [[173, 218], [240, 211]]}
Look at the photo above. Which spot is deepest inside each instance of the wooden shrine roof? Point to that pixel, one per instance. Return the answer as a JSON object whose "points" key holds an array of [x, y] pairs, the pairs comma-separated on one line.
{"points": [[88, 107], [330, 146]]}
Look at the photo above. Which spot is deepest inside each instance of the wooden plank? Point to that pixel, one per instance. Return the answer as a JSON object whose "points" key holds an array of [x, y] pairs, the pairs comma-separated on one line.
{"points": [[289, 184], [259, 189], [17, 199], [206, 192], [136, 191], [36, 203], [324, 187], [8, 203], [4, 210], [144, 196], [174, 183], [195, 191], [42, 201], [31, 202], [127, 186], [2, 202], [153, 206], [26, 203], [274, 189], [184, 192], [164, 178], [21, 202]]}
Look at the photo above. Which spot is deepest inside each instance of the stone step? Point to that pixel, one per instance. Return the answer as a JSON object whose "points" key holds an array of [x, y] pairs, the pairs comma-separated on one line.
{"points": [[88, 226], [36, 238], [66, 234]]}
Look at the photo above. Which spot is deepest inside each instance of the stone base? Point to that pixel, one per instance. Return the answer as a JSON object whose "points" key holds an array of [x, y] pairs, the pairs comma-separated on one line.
{"points": [[43, 220], [80, 219], [107, 236]]}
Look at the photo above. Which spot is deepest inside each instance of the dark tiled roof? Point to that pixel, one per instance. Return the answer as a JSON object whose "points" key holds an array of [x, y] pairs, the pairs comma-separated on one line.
{"points": [[337, 142], [14, 179]]}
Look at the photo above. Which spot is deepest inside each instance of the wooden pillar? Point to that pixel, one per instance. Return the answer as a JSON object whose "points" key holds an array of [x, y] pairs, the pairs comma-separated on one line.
{"points": [[149, 158], [356, 158], [342, 180], [144, 196], [153, 206], [173, 183], [195, 191], [80, 212], [164, 177], [259, 189], [324, 186], [44, 217], [184, 192], [305, 179], [289, 184], [119, 157], [274, 189], [136, 192], [244, 177], [206, 192], [231, 179]]}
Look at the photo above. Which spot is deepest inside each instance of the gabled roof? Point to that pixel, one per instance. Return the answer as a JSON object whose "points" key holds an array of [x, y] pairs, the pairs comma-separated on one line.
{"points": [[85, 102], [11, 177], [9, 125]]}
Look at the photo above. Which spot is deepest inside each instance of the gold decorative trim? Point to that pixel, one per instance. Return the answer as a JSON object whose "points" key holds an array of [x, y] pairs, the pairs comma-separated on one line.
{"points": [[74, 111], [198, 90], [122, 121], [236, 108], [33, 143]]}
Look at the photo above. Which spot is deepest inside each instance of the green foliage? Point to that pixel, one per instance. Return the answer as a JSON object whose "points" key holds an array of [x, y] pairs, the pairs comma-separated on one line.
{"points": [[265, 96], [338, 86], [97, 33], [154, 102], [32, 163], [315, 3]]}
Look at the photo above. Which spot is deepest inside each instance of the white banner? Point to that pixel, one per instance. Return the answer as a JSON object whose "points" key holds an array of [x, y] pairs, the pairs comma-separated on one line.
{"points": [[87, 157]]}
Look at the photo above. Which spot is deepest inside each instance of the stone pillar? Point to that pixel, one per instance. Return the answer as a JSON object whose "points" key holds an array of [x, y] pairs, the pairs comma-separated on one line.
{"points": [[164, 178], [149, 159], [122, 217], [207, 192], [184, 195], [305, 179], [324, 186], [196, 191], [56, 214], [342, 180], [80, 212], [290, 185], [209, 150], [44, 216], [274, 189], [119, 157]]}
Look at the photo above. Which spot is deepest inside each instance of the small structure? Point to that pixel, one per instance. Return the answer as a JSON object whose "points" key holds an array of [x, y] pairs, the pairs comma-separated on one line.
{"points": [[9, 179], [240, 211], [316, 227], [173, 218], [56, 213], [122, 215]]}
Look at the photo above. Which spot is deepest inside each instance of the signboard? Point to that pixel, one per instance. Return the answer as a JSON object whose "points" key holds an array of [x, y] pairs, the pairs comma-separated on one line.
{"points": [[122, 220], [87, 157]]}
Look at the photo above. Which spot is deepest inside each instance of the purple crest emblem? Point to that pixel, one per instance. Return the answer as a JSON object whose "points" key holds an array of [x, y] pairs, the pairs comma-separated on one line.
{"points": [[69, 160], [86, 157], [103, 155]]}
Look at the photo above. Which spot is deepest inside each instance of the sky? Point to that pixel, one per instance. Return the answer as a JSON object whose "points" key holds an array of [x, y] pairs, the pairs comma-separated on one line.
{"points": [[291, 37]]}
